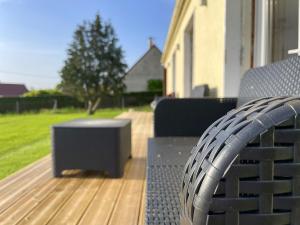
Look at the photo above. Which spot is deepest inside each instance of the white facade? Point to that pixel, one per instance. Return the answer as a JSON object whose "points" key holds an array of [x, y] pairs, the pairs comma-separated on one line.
{"points": [[216, 42]]}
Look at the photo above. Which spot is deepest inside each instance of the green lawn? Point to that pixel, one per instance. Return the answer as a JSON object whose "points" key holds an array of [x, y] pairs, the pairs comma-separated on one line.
{"points": [[26, 138]]}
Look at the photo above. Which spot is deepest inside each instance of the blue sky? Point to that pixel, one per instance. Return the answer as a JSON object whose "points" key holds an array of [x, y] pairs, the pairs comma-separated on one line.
{"points": [[34, 34]]}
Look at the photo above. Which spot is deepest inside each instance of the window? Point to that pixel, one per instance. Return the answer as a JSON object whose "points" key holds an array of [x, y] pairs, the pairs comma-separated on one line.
{"points": [[188, 59]]}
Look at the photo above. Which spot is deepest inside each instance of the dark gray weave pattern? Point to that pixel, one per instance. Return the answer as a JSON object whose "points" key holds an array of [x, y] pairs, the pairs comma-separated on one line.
{"points": [[166, 160], [278, 79], [162, 196], [227, 183]]}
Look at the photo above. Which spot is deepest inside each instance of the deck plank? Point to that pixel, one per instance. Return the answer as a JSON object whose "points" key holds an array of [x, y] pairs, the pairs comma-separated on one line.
{"points": [[103, 204], [32, 196], [143, 206], [72, 211], [50, 205], [27, 203], [127, 210], [14, 192], [21, 174]]}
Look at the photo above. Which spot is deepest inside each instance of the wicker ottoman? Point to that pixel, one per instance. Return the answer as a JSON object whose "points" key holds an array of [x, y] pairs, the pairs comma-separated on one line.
{"points": [[91, 144]]}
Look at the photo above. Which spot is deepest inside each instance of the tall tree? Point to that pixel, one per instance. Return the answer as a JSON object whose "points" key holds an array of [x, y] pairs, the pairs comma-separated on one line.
{"points": [[95, 65]]}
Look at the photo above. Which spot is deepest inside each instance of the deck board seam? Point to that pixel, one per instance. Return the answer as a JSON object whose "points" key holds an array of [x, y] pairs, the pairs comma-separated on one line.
{"points": [[115, 203], [90, 203], [22, 174], [32, 209], [23, 193], [44, 199], [123, 181], [138, 141], [64, 202]]}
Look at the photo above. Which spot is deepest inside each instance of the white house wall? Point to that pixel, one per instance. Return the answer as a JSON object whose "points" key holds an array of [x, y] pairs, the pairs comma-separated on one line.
{"points": [[208, 42]]}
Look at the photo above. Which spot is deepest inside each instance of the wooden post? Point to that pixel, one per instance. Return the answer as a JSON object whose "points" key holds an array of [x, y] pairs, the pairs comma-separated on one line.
{"points": [[17, 107], [123, 102], [54, 105]]}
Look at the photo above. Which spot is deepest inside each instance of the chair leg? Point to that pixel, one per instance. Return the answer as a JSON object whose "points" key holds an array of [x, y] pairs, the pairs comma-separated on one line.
{"points": [[115, 172], [57, 172]]}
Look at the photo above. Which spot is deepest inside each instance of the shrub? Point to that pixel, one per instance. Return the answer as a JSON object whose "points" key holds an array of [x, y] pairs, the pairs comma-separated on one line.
{"points": [[155, 85], [140, 98], [129, 99], [43, 93]]}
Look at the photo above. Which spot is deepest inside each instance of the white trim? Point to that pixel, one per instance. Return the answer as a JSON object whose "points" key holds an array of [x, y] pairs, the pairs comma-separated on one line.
{"points": [[233, 49], [262, 33], [299, 27], [188, 77], [174, 72], [294, 51], [297, 51]]}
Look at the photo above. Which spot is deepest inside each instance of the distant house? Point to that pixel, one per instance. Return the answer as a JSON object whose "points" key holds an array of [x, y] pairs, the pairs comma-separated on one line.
{"points": [[12, 90], [148, 67]]}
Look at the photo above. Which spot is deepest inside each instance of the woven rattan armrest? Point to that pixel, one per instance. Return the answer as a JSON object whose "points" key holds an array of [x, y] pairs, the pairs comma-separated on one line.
{"points": [[245, 168]]}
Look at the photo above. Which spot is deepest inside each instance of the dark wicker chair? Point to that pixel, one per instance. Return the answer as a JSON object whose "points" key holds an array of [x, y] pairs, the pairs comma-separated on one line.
{"points": [[245, 168]]}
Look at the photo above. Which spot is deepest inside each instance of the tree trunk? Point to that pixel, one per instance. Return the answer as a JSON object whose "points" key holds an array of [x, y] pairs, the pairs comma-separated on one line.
{"points": [[92, 107], [96, 104]]}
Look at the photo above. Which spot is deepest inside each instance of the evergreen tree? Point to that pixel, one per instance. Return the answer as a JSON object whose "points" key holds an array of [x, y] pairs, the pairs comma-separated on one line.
{"points": [[95, 65]]}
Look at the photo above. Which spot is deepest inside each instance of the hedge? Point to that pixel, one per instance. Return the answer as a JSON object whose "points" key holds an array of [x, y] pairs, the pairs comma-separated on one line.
{"points": [[24, 104], [155, 85], [129, 99]]}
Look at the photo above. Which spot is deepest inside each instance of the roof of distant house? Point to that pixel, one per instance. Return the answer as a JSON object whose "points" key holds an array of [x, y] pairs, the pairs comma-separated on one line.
{"points": [[12, 90], [151, 48]]}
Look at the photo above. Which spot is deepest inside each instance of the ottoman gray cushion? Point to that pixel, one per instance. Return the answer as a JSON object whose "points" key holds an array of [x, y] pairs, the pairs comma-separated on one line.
{"points": [[91, 144]]}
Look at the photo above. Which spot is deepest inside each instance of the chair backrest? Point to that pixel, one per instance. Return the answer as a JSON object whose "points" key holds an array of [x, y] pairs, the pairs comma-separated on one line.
{"points": [[200, 91], [188, 117], [277, 79]]}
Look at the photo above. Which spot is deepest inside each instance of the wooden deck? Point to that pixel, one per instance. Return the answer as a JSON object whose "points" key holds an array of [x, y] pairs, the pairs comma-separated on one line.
{"points": [[32, 196]]}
